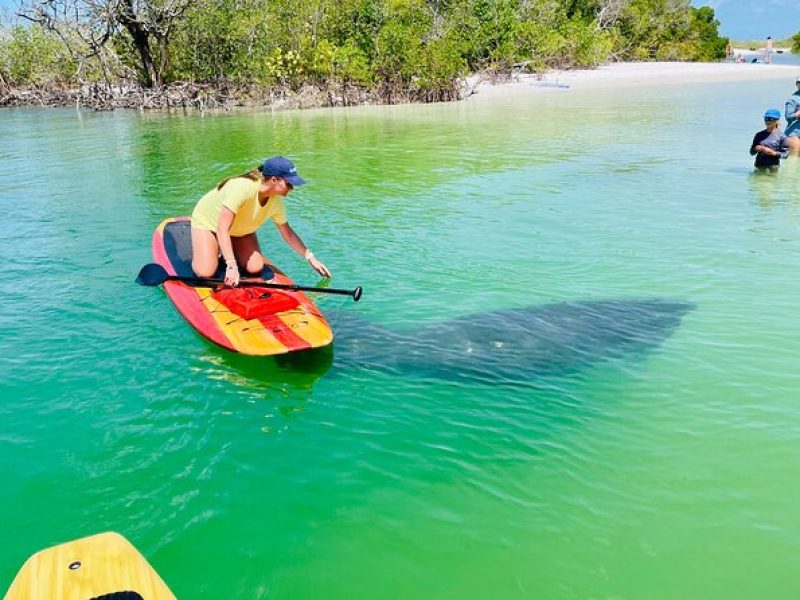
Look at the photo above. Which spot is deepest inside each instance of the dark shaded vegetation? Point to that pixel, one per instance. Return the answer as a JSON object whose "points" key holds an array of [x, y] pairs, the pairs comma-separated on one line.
{"points": [[209, 53]]}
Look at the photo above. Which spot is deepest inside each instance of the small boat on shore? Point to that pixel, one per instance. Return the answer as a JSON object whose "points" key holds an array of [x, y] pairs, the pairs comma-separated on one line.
{"points": [[550, 84], [105, 566]]}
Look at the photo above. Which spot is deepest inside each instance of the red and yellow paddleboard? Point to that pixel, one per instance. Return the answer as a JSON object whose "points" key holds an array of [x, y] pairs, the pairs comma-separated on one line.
{"points": [[102, 566], [300, 327]]}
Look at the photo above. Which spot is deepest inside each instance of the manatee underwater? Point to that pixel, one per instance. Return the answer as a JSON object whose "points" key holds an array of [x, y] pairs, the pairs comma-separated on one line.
{"points": [[516, 346]]}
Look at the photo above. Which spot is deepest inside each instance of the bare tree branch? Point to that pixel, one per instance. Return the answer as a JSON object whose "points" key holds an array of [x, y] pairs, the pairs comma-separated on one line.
{"points": [[608, 13], [93, 23]]}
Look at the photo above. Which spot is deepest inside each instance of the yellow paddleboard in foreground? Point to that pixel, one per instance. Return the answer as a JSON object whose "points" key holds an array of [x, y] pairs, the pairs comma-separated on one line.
{"points": [[99, 567]]}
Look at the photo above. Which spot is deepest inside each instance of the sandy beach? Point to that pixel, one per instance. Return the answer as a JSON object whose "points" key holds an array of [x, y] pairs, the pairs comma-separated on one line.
{"points": [[637, 75]]}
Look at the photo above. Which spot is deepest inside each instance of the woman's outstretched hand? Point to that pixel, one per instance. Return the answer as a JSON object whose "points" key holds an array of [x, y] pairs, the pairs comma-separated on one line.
{"points": [[319, 267]]}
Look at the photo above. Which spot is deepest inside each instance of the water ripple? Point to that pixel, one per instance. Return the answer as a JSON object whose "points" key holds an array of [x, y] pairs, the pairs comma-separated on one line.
{"points": [[646, 300]]}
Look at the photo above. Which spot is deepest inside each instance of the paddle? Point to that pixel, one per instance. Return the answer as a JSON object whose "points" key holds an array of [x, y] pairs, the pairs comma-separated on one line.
{"points": [[155, 274]]}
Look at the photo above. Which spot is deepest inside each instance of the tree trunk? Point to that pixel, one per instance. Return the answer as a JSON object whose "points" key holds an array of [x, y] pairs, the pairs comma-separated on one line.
{"points": [[151, 74]]}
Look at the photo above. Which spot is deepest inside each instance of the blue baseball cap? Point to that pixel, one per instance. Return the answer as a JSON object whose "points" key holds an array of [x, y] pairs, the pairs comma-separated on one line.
{"points": [[772, 113], [278, 166]]}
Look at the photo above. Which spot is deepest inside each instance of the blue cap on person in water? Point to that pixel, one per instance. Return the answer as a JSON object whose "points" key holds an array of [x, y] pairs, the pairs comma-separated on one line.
{"points": [[772, 113], [278, 166]]}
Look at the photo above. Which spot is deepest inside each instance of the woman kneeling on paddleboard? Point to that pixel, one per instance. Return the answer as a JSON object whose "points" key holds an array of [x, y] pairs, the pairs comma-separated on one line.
{"points": [[225, 221]]}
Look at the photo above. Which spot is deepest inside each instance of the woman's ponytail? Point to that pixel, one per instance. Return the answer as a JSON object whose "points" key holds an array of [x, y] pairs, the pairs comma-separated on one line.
{"points": [[253, 175]]}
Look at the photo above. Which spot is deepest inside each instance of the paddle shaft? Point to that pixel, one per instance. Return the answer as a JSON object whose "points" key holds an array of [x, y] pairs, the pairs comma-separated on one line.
{"points": [[355, 293], [155, 274]]}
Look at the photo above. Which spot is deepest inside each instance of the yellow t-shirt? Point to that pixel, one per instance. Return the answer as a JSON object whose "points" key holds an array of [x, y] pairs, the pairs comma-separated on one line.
{"points": [[240, 195]]}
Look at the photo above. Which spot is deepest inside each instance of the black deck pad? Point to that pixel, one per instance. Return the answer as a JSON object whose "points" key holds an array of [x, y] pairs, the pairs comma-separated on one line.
{"points": [[178, 245]]}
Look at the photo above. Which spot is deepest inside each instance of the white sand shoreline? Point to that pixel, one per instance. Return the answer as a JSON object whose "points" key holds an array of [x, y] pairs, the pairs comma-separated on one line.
{"points": [[639, 75]]}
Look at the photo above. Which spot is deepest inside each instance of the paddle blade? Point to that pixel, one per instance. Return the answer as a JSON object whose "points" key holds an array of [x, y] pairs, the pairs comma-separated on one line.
{"points": [[152, 274]]}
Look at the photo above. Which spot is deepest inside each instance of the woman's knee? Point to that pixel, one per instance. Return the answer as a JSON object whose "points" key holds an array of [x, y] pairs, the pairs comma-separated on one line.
{"points": [[255, 264], [204, 268]]}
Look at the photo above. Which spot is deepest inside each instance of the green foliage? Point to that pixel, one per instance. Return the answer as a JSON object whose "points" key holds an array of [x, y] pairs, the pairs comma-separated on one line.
{"points": [[30, 57], [653, 29], [668, 30], [708, 45], [537, 43], [224, 41], [124, 50], [442, 64], [398, 48], [361, 25], [346, 64], [795, 40], [351, 65], [583, 45], [487, 29]]}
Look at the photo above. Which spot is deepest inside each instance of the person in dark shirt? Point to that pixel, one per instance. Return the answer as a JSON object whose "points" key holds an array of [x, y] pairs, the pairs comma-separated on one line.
{"points": [[770, 144], [792, 116]]}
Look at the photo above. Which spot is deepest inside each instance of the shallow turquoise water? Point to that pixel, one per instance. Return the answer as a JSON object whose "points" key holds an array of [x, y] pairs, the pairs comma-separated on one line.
{"points": [[669, 473]]}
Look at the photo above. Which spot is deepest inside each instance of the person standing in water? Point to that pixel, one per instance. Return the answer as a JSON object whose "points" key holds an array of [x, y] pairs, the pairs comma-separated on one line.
{"points": [[225, 221], [770, 144], [792, 115]]}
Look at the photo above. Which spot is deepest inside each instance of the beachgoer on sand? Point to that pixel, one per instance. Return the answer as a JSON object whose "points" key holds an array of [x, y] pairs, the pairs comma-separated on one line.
{"points": [[770, 144], [225, 221]]}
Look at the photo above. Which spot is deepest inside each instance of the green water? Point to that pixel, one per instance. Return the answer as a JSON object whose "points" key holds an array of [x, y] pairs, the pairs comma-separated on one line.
{"points": [[670, 474]]}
